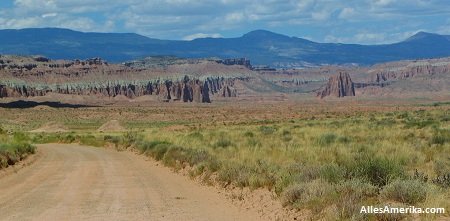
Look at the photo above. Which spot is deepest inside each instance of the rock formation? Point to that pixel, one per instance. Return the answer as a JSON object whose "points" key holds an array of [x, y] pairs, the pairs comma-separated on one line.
{"points": [[188, 90], [37, 76], [423, 68], [339, 85]]}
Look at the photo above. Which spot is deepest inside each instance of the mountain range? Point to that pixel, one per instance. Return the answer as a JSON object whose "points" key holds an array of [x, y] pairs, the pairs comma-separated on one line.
{"points": [[261, 47]]}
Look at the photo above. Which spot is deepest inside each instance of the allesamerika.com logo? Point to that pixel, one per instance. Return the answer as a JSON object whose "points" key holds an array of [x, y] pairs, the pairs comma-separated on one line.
{"points": [[400, 210]]}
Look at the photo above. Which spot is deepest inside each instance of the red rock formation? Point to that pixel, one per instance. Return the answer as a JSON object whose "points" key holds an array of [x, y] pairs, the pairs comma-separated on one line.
{"points": [[339, 85], [409, 71]]}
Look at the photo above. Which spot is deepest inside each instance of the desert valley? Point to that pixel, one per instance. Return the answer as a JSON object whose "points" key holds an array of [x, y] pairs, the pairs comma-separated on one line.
{"points": [[260, 127]]}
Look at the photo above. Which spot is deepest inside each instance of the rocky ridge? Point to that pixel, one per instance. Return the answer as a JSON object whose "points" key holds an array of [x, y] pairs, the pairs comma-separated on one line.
{"points": [[38, 76], [339, 85]]}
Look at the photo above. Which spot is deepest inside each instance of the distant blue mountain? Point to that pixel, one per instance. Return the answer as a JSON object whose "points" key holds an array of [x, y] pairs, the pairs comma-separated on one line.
{"points": [[261, 47]]}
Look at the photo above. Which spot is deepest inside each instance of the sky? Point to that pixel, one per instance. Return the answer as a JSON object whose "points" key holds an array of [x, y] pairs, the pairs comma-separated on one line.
{"points": [[343, 21]]}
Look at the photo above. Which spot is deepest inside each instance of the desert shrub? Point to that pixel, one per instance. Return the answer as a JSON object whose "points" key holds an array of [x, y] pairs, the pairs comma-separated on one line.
{"points": [[13, 151], [46, 138], [223, 142], [385, 122], [419, 123], [234, 173], [68, 138], [441, 166], [403, 115], [144, 146], [405, 191], [377, 170], [295, 173], [442, 180], [249, 134], [326, 139], [344, 139], [314, 194], [286, 136], [332, 173], [254, 142], [20, 137], [267, 130], [158, 150], [196, 135], [351, 194], [130, 138], [91, 140], [440, 136], [179, 155], [248, 174], [212, 164], [112, 139]]}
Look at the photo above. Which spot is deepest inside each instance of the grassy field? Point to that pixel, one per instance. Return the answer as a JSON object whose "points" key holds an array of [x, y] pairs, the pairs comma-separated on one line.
{"points": [[14, 148], [330, 163]]}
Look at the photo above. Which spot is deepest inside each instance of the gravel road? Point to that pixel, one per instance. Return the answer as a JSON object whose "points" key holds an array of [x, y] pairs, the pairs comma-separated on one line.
{"points": [[73, 182]]}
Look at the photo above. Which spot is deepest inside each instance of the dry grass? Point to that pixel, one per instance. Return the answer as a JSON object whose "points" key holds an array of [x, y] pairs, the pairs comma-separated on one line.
{"points": [[311, 157]]}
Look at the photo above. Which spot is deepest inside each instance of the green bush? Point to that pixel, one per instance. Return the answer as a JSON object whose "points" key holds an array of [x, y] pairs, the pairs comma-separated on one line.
{"points": [[91, 140], [223, 142], [405, 191], [440, 136], [296, 173], [112, 139], [13, 152], [248, 174], [267, 130], [196, 135], [312, 194], [176, 155], [332, 173], [130, 138], [326, 139], [249, 134], [149, 146], [378, 171], [351, 194], [158, 150]]}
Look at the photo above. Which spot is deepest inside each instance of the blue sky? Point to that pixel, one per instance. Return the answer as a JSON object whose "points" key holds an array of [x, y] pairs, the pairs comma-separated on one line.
{"points": [[345, 21]]}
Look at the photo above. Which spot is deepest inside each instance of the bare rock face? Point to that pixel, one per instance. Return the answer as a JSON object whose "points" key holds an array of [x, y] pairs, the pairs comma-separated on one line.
{"points": [[410, 70], [205, 93], [164, 91], [197, 92], [228, 91], [3, 92], [339, 85]]}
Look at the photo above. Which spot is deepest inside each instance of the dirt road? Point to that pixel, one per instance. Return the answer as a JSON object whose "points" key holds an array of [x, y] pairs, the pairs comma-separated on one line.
{"points": [[72, 182]]}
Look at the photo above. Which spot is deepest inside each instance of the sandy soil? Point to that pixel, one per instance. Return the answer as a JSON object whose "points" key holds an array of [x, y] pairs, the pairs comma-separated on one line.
{"points": [[72, 182]]}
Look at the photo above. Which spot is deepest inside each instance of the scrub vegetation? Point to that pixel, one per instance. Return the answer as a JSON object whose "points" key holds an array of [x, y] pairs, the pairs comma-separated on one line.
{"points": [[14, 148], [328, 165]]}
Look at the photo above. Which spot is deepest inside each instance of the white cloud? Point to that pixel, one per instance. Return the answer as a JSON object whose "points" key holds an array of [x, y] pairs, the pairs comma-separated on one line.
{"points": [[235, 17], [320, 15], [202, 35], [47, 15], [383, 2], [347, 13], [369, 37], [176, 19]]}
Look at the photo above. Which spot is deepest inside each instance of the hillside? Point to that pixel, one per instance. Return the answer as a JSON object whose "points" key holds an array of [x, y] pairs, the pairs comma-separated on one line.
{"points": [[261, 47], [204, 80]]}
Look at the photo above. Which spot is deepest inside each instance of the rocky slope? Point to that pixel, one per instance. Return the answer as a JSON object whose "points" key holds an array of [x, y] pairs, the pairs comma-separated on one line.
{"points": [[203, 80], [339, 85], [38, 76]]}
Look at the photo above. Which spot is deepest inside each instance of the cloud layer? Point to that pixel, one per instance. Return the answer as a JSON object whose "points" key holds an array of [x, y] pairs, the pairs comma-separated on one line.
{"points": [[351, 21]]}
